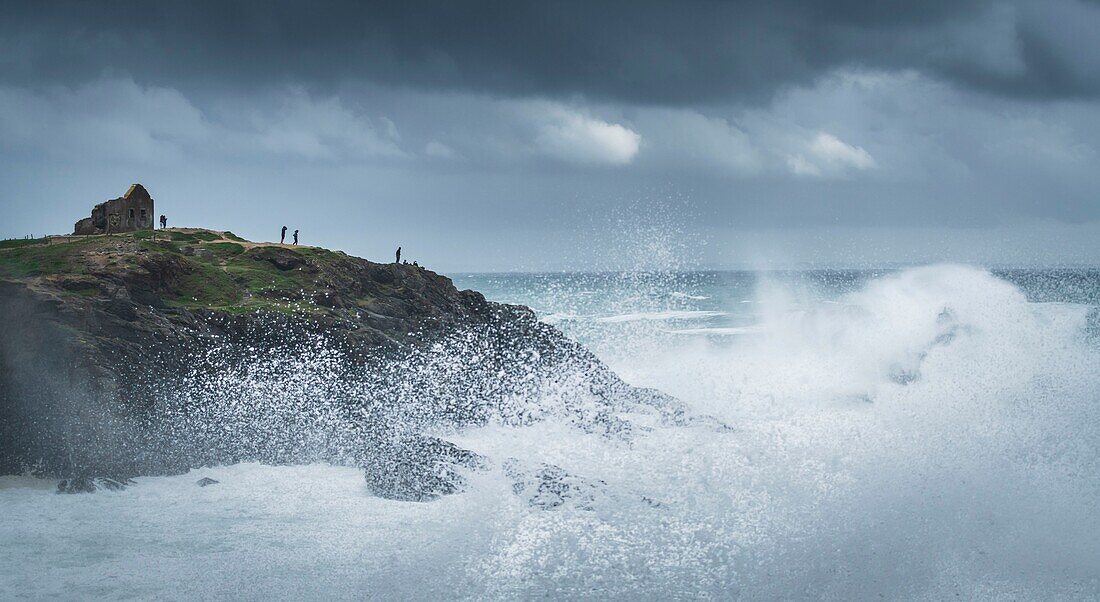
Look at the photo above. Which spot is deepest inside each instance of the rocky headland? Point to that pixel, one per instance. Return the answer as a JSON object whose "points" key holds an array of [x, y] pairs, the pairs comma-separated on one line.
{"points": [[155, 352]]}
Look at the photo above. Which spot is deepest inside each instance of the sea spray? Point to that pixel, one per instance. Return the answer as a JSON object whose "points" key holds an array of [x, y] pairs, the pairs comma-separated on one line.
{"points": [[923, 434]]}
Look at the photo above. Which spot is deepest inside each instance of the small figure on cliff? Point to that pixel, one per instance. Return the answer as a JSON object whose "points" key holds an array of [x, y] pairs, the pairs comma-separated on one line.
{"points": [[163, 222], [416, 265], [398, 260], [282, 236], [295, 237]]}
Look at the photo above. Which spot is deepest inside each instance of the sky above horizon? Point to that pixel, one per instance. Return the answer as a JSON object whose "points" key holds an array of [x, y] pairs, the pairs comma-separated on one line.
{"points": [[500, 136]]}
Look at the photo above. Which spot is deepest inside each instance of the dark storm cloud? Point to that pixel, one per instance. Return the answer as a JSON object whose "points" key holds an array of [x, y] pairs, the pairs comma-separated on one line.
{"points": [[508, 135], [637, 52]]}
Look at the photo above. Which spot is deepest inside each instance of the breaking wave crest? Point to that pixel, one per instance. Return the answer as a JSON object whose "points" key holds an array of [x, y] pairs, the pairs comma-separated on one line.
{"points": [[930, 434]]}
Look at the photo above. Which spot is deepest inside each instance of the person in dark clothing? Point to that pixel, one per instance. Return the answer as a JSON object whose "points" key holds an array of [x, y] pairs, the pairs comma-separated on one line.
{"points": [[398, 255], [163, 222], [295, 237], [282, 236]]}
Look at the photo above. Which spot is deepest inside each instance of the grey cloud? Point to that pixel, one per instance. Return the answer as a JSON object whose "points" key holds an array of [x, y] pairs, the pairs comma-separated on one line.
{"points": [[522, 135], [116, 119], [634, 51]]}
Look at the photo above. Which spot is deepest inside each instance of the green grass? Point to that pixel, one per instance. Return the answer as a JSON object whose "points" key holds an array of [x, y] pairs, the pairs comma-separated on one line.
{"points": [[234, 279], [206, 286], [194, 236], [12, 243], [160, 246], [232, 236], [36, 260], [316, 252], [225, 249], [265, 281]]}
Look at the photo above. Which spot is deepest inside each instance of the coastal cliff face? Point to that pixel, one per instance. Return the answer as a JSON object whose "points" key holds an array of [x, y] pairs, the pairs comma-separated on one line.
{"points": [[130, 354]]}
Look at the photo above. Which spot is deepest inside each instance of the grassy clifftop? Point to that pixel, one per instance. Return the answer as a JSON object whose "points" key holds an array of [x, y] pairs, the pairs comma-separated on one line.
{"points": [[205, 269]]}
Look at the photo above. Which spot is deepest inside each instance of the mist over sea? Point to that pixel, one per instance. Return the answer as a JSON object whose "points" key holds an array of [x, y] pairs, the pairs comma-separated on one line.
{"points": [[922, 433]]}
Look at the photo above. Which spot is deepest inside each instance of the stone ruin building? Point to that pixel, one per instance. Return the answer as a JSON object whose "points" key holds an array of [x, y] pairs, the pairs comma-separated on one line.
{"points": [[131, 211]]}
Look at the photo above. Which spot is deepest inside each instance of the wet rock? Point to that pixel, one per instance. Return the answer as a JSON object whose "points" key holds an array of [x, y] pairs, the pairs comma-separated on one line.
{"points": [[79, 284], [549, 486], [203, 482], [142, 358], [327, 299], [282, 259], [382, 275], [418, 468], [92, 484], [123, 310]]}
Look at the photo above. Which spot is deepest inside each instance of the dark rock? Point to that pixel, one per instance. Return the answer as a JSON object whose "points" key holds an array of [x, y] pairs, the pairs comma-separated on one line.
{"points": [[92, 484], [549, 486], [79, 284], [203, 482], [138, 378], [327, 299], [382, 275], [282, 259], [418, 468], [124, 310]]}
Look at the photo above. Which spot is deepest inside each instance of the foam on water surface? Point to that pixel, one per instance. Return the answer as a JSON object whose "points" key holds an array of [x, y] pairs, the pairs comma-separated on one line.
{"points": [[925, 434]]}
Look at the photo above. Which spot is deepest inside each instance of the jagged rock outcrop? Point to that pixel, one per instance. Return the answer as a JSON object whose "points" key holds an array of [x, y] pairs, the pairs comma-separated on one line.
{"points": [[92, 484], [419, 468], [134, 355]]}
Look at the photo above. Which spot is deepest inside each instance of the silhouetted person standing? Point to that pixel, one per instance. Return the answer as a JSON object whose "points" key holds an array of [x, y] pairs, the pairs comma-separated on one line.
{"points": [[163, 222], [398, 255], [282, 236], [295, 237]]}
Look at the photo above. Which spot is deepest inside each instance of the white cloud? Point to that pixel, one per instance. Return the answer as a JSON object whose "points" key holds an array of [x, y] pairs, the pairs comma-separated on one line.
{"points": [[799, 166], [830, 149], [576, 137], [750, 143], [827, 154], [437, 149]]}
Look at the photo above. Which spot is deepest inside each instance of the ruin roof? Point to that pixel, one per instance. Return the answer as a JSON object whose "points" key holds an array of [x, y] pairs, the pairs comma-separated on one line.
{"points": [[135, 188]]}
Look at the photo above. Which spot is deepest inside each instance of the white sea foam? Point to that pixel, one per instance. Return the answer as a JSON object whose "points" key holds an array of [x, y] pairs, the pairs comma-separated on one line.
{"points": [[720, 331], [559, 317], [661, 316], [930, 436], [682, 295]]}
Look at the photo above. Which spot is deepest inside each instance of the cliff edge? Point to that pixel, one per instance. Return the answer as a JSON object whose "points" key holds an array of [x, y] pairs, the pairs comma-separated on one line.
{"points": [[153, 352]]}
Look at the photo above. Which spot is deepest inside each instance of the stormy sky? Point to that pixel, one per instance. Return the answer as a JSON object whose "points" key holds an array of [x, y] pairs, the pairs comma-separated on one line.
{"points": [[570, 135]]}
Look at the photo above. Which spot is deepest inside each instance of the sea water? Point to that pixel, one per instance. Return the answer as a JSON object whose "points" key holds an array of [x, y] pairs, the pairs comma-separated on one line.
{"points": [[920, 433]]}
